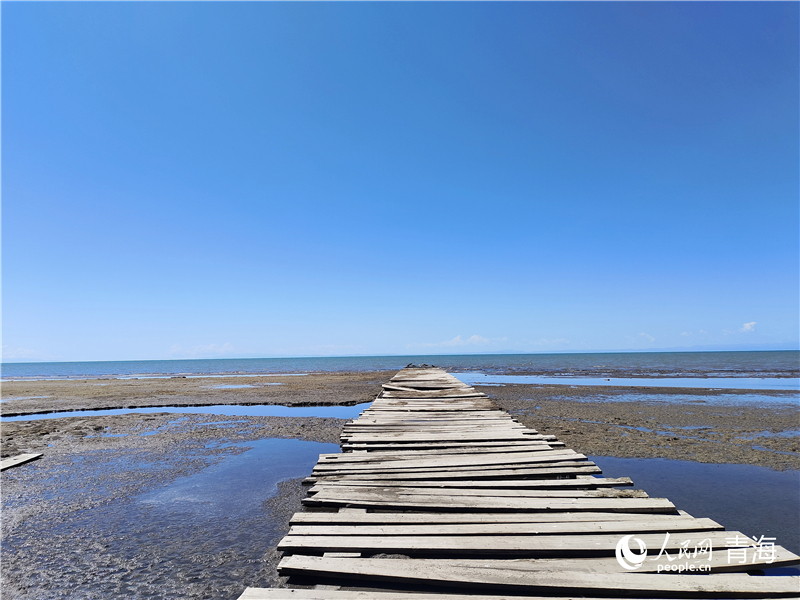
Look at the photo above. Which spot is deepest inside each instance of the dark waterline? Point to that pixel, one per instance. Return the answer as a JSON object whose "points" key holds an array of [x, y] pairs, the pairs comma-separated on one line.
{"points": [[228, 410], [765, 363], [754, 500]]}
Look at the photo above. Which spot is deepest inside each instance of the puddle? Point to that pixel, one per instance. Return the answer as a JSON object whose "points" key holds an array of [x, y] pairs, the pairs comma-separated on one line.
{"points": [[233, 386], [198, 536], [716, 383], [708, 400], [754, 500], [227, 410], [768, 434], [240, 483]]}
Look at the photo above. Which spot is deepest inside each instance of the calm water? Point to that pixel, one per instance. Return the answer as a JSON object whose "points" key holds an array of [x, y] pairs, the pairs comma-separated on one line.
{"points": [[228, 410], [715, 383], [628, 364], [754, 500]]}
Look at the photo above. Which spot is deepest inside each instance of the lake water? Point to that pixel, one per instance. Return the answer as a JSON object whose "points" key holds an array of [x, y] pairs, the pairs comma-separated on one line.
{"points": [[710, 383], [754, 500], [228, 410], [629, 364]]}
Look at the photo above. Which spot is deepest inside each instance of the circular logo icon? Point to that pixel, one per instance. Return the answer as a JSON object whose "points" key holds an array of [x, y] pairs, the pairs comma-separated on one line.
{"points": [[627, 558]]}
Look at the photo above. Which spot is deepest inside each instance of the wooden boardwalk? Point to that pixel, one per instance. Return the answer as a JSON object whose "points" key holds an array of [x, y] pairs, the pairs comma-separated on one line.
{"points": [[440, 495]]}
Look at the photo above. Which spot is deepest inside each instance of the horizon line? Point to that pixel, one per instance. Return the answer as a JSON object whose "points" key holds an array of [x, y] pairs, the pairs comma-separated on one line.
{"points": [[674, 350]]}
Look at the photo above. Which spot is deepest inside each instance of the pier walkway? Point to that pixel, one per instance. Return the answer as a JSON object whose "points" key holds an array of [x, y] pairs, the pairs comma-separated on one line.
{"points": [[438, 494]]}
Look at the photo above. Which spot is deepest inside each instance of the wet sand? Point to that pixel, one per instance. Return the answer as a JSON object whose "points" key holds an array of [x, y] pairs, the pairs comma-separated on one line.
{"points": [[62, 514]]}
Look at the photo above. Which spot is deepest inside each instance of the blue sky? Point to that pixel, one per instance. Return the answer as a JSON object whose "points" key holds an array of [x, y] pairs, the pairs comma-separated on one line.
{"points": [[188, 180]]}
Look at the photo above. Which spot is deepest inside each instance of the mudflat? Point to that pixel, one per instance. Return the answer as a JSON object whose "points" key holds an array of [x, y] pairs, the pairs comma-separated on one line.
{"points": [[707, 426], [78, 522], [312, 389]]}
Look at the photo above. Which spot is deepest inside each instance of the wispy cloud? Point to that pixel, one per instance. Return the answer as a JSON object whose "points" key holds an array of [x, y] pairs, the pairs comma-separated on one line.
{"points": [[749, 326], [647, 336], [202, 351]]}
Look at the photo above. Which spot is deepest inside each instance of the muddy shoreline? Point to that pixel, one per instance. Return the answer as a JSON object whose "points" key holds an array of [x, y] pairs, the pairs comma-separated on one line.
{"points": [[65, 532], [313, 389]]}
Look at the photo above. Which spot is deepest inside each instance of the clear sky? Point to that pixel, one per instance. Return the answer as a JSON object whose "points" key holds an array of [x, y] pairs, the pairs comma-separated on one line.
{"points": [[269, 179]]}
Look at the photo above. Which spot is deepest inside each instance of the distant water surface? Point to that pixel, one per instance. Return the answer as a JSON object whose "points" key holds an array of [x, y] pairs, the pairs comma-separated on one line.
{"points": [[624, 364]]}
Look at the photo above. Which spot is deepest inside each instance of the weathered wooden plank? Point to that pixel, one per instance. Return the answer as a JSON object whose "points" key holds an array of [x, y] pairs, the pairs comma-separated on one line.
{"points": [[546, 546], [477, 436], [330, 491], [433, 445], [301, 594], [420, 502], [425, 454], [374, 463], [736, 585], [15, 461], [496, 484], [527, 468], [546, 471], [583, 527], [348, 517]]}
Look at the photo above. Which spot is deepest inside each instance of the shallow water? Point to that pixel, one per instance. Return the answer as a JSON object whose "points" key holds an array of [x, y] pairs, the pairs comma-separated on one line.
{"points": [[228, 410], [203, 535], [711, 383], [754, 500], [709, 399]]}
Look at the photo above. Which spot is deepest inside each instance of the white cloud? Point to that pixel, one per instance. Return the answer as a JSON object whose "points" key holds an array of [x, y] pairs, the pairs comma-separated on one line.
{"points": [[648, 337], [749, 326], [202, 351], [686, 333]]}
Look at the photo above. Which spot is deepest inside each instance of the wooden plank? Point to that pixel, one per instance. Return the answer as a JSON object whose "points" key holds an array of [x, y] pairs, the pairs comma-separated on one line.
{"points": [[331, 491], [434, 445], [347, 517], [545, 546], [495, 484], [366, 500], [582, 527], [301, 594], [477, 436], [736, 585], [368, 463], [527, 467], [424, 454], [15, 461], [543, 472]]}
